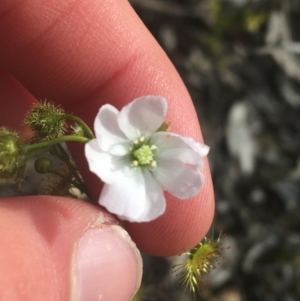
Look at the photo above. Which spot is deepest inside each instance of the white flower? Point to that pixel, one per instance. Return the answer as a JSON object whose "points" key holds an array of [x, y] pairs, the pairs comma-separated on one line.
{"points": [[136, 162]]}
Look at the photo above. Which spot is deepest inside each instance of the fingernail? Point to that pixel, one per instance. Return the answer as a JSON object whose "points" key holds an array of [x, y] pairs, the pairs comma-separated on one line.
{"points": [[107, 265]]}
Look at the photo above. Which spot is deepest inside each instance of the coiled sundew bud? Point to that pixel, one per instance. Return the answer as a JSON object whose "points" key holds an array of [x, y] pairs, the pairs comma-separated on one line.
{"points": [[12, 157], [200, 260], [47, 121]]}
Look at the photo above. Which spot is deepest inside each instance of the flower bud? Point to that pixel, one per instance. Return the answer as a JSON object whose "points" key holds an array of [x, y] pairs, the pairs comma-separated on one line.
{"points": [[11, 146], [47, 121], [12, 158], [43, 165]]}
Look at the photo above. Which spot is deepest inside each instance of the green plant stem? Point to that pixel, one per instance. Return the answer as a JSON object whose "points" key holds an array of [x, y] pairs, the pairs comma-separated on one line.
{"points": [[85, 127], [47, 144]]}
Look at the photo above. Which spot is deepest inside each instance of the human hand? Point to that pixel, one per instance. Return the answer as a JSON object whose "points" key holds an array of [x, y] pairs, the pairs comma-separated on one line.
{"points": [[82, 54]]}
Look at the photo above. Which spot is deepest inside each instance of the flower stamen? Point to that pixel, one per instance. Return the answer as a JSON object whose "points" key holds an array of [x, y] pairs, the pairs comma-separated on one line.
{"points": [[144, 155], [153, 163], [135, 163]]}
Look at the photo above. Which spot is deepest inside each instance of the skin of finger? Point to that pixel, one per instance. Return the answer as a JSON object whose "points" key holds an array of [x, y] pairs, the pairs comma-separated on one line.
{"points": [[38, 236], [15, 101], [87, 53]]}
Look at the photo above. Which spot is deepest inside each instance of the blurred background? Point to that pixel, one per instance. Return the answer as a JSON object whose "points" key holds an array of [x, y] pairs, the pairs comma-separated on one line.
{"points": [[240, 60]]}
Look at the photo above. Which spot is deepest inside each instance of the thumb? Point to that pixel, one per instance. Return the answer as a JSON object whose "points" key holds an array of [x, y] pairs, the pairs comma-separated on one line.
{"points": [[54, 248]]}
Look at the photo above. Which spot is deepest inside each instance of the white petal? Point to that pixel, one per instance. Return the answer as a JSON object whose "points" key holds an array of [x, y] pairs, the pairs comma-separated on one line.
{"points": [[103, 164], [143, 116], [155, 198], [137, 198], [175, 147], [107, 129], [120, 149], [200, 148], [179, 179], [99, 162]]}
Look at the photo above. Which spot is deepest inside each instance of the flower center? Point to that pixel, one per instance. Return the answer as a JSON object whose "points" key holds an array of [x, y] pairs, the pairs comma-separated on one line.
{"points": [[143, 154]]}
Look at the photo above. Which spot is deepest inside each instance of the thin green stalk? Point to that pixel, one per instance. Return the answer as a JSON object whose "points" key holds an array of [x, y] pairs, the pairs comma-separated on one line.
{"points": [[85, 127], [47, 144]]}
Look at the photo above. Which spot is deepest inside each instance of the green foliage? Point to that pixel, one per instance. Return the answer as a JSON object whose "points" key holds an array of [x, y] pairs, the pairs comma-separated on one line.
{"points": [[254, 20], [227, 21], [200, 260]]}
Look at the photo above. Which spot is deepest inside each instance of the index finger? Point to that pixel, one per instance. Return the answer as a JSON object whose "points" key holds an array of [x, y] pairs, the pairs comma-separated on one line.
{"points": [[85, 53]]}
